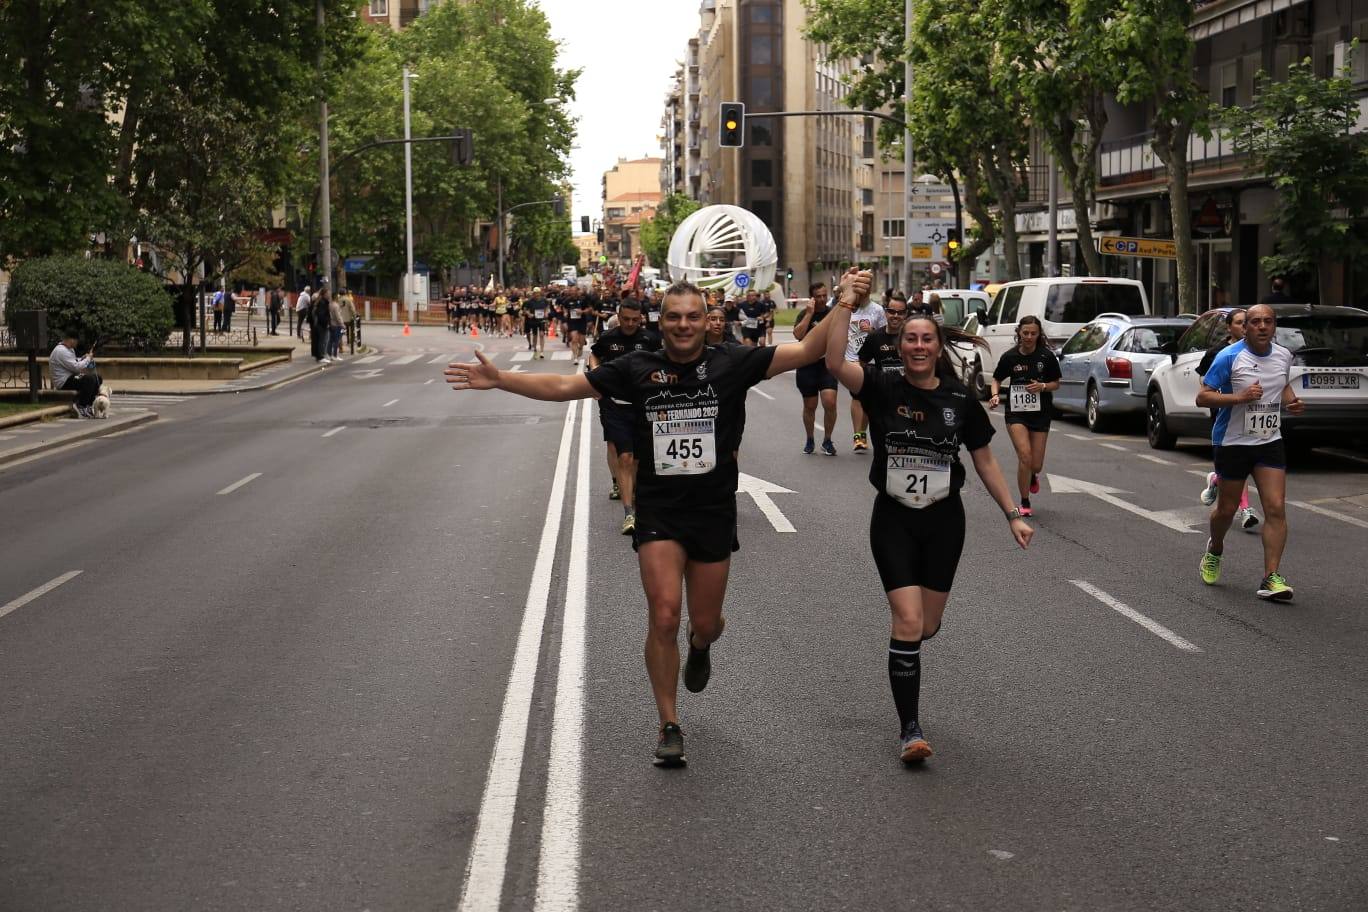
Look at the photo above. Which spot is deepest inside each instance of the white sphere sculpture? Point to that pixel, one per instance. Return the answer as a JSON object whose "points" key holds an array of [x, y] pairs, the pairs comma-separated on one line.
{"points": [[716, 244]]}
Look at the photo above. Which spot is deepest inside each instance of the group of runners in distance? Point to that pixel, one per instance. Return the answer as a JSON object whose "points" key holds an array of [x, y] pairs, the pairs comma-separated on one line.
{"points": [[672, 405]]}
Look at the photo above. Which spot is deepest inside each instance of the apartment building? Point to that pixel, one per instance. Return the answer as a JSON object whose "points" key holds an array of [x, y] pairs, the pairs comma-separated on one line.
{"points": [[1232, 204], [631, 193], [812, 180], [397, 14]]}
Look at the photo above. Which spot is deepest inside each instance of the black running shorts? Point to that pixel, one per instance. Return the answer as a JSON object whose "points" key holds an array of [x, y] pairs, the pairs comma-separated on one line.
{"points": [[754, 335], [917, 547], [706, 531], [575, 326], [617, 425], [814, 377], [1236, 462], [1033, 421]]}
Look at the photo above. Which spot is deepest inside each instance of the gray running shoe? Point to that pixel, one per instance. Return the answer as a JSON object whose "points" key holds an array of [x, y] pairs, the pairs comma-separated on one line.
{"points": [[670, 748], [913, 746]]}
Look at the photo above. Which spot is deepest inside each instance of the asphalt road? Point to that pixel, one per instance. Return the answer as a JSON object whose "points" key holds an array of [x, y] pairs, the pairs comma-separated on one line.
{"points": [[397, 666]]}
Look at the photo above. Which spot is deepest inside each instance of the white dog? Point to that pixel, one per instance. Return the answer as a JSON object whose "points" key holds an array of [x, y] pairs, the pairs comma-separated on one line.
{"points": [[100, 407]]}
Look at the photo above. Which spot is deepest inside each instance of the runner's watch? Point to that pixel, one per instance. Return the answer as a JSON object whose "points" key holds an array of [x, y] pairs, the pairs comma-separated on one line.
{"points": [[1014, 513]]}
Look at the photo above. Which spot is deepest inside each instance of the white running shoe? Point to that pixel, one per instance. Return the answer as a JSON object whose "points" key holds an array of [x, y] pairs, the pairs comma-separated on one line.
{"points": [[1247, 519], [1208, 495]]}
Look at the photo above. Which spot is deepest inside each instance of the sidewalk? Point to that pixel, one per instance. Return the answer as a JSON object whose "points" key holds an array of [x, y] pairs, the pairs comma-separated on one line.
{"points": [[300, 365], [24, 441]]}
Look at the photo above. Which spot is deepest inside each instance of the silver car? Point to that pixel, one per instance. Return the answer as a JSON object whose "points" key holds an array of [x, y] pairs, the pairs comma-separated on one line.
{"points": [[1105, 367]]}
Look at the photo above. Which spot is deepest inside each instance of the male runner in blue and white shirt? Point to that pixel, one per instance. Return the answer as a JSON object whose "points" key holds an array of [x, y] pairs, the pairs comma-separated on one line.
{"points": [[1248, 386]]}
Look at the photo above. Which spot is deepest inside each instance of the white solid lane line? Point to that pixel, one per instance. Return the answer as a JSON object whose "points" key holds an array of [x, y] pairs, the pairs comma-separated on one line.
{"points": [[484, 878], [558, 870], [337, 430], [42, 590], [1159, 459], [1342, 517], [756, 389], [1112, 446], [240, 482], [1125, 610], [426, 382], [388, 404]]}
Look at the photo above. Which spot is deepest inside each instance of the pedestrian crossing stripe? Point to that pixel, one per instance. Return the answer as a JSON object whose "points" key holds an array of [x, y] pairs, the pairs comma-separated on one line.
{"points": [[369, 359], [406, 359], [560, 356], [443, 359], [522, 356]]}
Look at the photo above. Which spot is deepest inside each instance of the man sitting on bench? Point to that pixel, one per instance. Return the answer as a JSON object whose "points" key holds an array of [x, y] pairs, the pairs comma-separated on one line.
{"points": [[69, 372]]}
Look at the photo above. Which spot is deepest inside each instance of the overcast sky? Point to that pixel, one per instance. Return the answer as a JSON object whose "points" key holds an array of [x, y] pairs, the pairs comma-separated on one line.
{"points": [[628, 50]]}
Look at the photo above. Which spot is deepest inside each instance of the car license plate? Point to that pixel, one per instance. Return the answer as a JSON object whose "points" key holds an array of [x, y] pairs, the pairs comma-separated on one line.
{"points": [[1330, 381]]}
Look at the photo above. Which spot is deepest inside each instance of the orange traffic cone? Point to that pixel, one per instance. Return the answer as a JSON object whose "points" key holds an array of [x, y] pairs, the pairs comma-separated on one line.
{"points": [[474, 332], [407, 331], [552, 333]]}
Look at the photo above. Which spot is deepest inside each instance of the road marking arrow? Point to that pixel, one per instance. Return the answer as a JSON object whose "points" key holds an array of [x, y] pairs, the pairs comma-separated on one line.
{"points": [[1169, 519], [760, 490], [367, 374]]}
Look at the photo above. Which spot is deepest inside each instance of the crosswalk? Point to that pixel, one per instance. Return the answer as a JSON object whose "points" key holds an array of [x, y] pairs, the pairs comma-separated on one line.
{"points": [[145, 401], [372, 363]]}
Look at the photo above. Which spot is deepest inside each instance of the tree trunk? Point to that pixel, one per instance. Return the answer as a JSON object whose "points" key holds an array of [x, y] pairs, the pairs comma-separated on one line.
{"points": [[1080, 171], [974, 205], [1002, 181], [1170, 144]]}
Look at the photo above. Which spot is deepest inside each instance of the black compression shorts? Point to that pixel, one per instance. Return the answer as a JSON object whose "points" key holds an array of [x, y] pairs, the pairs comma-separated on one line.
{"points": [[574, 326], [1236, 462], [755, 335], [707, 531], [617, 425], [812, 378], [917, 547]]}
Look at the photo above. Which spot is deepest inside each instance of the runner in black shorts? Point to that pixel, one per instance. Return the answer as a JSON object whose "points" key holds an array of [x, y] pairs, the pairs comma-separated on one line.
{"points": [[814, 380], [919, 422], [1034, 374], [686, 402], [752, 319], [627, 337]]}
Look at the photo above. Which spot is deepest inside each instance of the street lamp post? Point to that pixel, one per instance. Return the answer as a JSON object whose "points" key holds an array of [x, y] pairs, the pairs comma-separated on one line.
{"points": [[908, 187], [408, 199], [325, 199]]}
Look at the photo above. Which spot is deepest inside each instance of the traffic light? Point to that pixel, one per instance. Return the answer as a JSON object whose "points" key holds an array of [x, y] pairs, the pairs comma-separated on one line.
{"points": [[789, 275], [558, 207], [952, 242], [584, 224], [463, 146], [733, 133], [600, 235]]}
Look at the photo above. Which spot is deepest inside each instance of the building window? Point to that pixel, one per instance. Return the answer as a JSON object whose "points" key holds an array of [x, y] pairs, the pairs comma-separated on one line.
{"points": [[379, 8], [867, 232], [761, 50], [761, 94], [617, 213], [867, 197], [762, 173], [764, 211], [893, 228], [761, 13], [1226, 81], [761, 133], [867, 151]]}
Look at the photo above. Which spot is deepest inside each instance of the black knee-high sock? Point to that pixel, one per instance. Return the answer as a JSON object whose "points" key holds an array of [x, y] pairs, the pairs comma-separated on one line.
{"points": [[904, 677]]}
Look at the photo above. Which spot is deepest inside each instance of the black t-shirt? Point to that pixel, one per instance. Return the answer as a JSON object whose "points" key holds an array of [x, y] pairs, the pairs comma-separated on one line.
{"points": [[752, 314], [880, 349], [817, 316], [1040, 365], [916, 429], [615, 343], [1211, 356], [686, 419]]}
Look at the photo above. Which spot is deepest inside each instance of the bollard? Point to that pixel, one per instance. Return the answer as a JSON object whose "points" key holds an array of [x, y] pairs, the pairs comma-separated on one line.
{"points": [[367, 310], [394, 312]]}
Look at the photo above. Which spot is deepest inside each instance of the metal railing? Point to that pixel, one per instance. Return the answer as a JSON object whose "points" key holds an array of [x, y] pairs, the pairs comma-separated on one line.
{"points": [[1131, 159]]}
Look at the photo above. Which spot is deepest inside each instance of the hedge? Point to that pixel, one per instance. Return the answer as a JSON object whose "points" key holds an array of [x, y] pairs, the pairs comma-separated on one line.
{"points": [[102, 302]]}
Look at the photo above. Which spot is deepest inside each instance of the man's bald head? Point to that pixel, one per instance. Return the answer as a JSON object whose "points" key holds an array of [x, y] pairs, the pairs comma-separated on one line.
{"points": [[1261, 309], [1260, 325]]}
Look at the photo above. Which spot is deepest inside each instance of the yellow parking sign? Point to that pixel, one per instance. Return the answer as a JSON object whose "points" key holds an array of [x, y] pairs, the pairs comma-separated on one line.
{"points": [[922, 252], [1138, 247]]}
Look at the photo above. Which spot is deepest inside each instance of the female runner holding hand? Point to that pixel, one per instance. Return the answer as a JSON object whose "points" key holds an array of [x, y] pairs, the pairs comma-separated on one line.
{"points": [[919, 420]]}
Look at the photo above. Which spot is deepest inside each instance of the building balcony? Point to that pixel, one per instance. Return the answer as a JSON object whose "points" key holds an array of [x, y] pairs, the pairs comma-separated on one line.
{"points": [[1132, 160]]}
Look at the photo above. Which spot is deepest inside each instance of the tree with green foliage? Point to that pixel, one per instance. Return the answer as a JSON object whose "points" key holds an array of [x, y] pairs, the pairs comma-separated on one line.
{"points": [[100, 301], [658, 231], [489, 66], [965, 120], [1064, 67], [1149, 40], [1300, 134]]}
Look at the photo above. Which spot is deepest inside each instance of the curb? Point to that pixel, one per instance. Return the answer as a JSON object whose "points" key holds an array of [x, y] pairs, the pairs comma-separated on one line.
{"points": [[275, 384], [55, 411], [101, 429]]}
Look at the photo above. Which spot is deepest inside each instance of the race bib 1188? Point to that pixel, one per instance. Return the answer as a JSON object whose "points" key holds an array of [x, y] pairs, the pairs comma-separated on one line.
{"points": [[1023, 400]]}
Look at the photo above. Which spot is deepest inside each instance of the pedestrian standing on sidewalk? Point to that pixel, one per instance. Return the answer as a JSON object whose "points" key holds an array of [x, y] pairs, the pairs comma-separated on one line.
{"points": [[275, 304], [349, 318], [229, 307], [335, 326], [218, 310], [302, 311], [319, 319]]}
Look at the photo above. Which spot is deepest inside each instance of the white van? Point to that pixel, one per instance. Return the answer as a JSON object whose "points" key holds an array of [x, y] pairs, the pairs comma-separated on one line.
{"points": [[1062, 305]]}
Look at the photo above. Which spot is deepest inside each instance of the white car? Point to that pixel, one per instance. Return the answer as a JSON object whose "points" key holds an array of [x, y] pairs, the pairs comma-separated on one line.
{"points": [[1062, 305], [1329, 374]]}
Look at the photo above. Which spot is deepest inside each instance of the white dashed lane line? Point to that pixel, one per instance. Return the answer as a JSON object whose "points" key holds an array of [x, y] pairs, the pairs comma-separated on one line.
{"points": [[42, 590], [1342, 517], [240, 482], [1126, 611], [388, 404], [336, 430]]}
